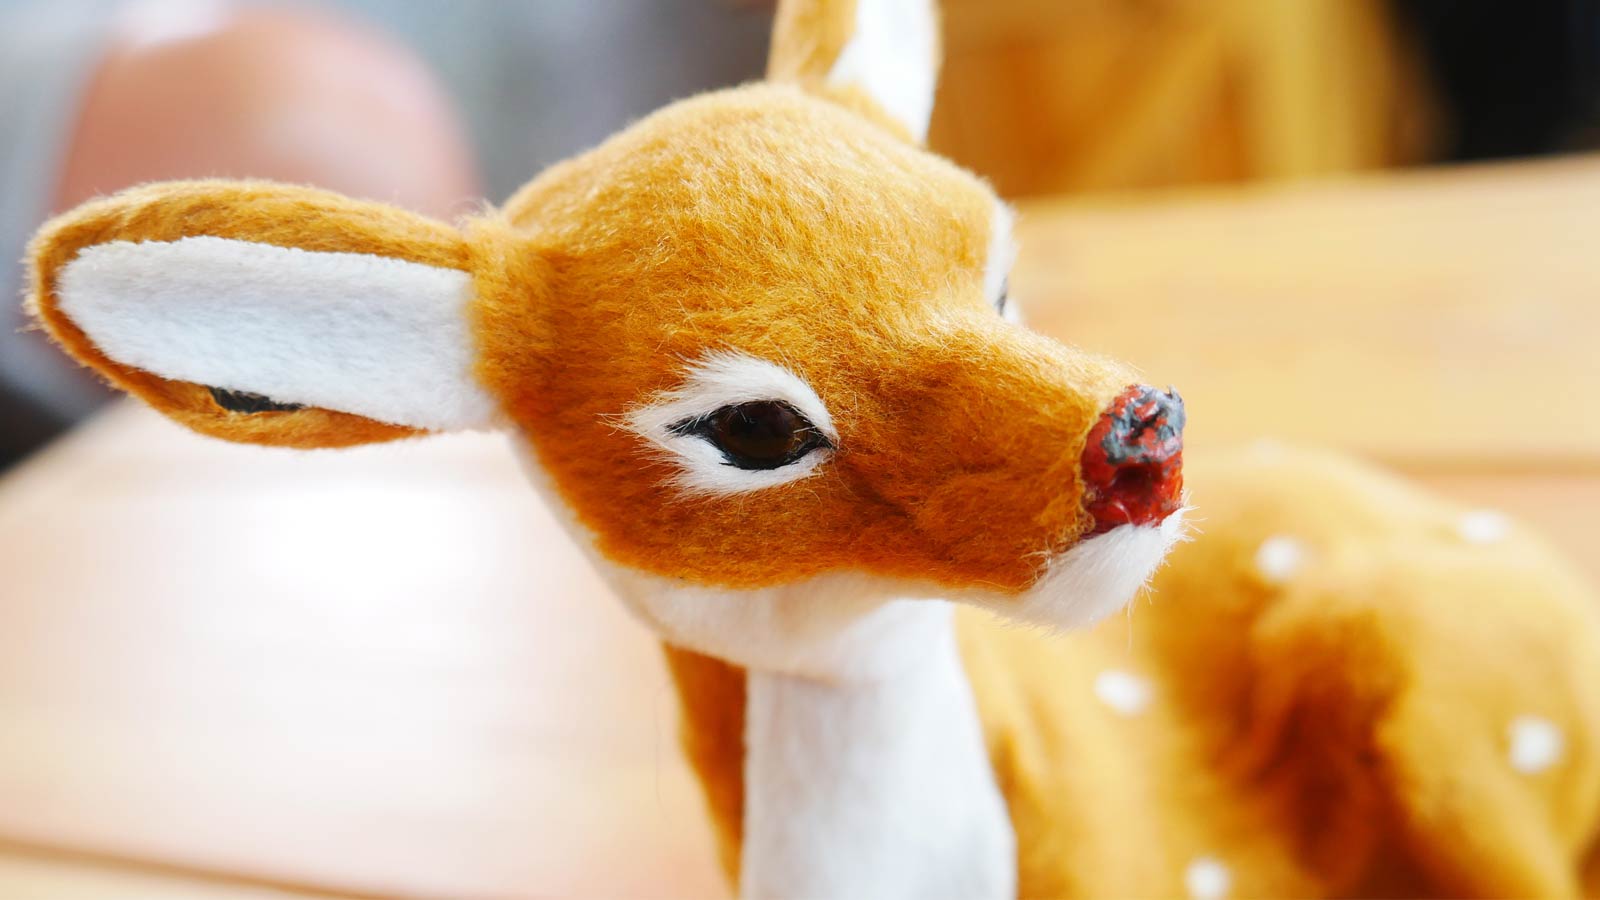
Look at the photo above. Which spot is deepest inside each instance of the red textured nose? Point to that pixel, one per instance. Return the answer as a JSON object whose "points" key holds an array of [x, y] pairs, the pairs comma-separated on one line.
{"points": [[1133, 463]]}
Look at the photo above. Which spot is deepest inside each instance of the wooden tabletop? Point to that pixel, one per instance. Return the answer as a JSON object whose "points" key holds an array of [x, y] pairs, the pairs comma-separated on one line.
{"points": [[235, 672]]}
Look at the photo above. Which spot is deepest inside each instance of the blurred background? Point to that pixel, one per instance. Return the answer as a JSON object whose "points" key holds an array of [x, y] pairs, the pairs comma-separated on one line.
{"points": [[231, 672]]}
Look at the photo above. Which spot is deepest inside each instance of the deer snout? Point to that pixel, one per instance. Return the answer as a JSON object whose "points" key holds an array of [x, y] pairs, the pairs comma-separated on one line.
{"points": [[1133, 461]]}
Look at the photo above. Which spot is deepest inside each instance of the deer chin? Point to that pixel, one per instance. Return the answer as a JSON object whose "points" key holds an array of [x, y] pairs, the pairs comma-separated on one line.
{"points": [[1098, 575], [833, 628], [844, 627]]}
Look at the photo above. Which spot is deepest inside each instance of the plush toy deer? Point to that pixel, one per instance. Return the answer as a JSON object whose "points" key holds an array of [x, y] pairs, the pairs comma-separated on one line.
{"points": [[755, 348]]}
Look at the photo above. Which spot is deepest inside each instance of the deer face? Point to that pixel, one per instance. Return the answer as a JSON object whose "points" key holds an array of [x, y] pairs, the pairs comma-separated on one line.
{"points": [[754, 344], [779, 354]]}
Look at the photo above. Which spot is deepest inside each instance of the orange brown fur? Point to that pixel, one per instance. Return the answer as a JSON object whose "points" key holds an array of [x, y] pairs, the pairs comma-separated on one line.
{"points": [[713, 740], [807, 38], [696, 210], [1339, 735], [716, 228]]}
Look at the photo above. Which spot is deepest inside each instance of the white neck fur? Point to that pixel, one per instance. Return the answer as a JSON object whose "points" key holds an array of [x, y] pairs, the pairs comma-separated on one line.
{"points": [[878, 786], [866, 773]]}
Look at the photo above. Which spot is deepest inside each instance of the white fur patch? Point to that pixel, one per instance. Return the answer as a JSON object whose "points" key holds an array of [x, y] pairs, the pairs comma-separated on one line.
{"points": [[866, 774], [865, 771], [378, 337], [835, 628], [1002, 256], [847, 626], [1207, 879], [1122, 692], [1484, 526], [727, 379], [891, 56], [877, 789], [1536, 744], [1280, 558], [1098, 576], [1012, 312]]}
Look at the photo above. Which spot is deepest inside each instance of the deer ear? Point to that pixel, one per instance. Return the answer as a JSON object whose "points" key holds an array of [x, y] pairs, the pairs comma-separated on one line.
{"points": [[878, 56], [265, 313]]}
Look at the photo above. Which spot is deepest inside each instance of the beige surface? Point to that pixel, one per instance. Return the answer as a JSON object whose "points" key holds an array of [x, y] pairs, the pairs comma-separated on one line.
{"points": [[25, 876], [227, 671]]}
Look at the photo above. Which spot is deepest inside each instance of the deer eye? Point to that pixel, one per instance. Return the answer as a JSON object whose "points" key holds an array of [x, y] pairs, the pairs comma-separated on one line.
{"points": [[246, 402], [761, 434]]}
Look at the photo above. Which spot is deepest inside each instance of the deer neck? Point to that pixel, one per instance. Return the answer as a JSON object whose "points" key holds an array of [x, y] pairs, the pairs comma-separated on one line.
{"points": [[865, 770], [877, 784]]}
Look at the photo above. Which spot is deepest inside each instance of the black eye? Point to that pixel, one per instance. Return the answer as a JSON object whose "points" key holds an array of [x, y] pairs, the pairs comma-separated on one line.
{"points": [[762, 434], [245, 402], [1005, 296]]}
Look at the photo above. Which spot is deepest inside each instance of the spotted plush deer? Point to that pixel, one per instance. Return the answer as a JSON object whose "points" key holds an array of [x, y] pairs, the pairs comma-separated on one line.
{"points": [[756, 349]]}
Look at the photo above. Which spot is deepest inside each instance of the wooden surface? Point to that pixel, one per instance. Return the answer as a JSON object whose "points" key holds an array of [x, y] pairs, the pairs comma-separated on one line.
{"points": [[230, 672]]}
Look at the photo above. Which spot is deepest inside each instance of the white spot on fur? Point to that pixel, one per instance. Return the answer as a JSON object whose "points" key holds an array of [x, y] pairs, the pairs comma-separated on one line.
{"points": [[1207, 879], [1280, 558], [891, 56], [1483, 526], [1123, 692], [726, 379], [1536, 744], [372, 335]]}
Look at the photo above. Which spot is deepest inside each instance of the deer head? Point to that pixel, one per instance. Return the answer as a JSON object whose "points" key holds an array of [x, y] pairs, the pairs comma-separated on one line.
{"points": [[755, 345]]}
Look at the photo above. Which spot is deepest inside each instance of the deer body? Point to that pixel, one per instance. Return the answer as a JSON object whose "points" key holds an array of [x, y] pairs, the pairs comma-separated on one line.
{"points": [[757, 350], [1347, 728]]}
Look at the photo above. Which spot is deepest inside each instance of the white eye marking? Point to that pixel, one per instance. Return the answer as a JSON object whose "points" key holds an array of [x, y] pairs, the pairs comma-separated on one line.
{"points": [[719, 380], [1002, 255]]}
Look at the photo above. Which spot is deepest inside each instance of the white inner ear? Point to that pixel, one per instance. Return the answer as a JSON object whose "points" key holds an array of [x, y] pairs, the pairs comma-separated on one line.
{"points": [[375, 336], [1002, 256], [891, 57], [718, 380]]}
